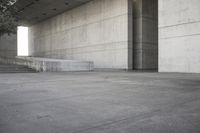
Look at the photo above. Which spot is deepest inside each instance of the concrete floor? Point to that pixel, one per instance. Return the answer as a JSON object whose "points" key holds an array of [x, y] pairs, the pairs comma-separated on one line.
{"points": [[100, 102]]}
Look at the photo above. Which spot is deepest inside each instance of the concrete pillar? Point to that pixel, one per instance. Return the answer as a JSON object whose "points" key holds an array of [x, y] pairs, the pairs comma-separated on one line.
{"points": [[145, 34]]}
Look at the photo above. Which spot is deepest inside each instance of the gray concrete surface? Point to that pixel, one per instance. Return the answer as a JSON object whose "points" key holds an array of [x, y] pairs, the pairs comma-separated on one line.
{"points": [[48, 64], [179, 36], [8, 46], [11, 68], [31, 12], [100, 102], [124, 31], [96, 31], [55, 65], [145, 34]]}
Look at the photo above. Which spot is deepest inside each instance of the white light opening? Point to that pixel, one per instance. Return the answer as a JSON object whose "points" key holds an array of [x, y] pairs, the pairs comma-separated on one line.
{"points": [[22, 41]]}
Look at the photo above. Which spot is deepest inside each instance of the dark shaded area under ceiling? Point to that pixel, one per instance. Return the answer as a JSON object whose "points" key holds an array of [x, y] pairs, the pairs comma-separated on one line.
{"points": [[34, 11]]}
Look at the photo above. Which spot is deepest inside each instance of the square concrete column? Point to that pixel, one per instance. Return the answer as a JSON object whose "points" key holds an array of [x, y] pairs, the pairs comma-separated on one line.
{"points": [[145, 34]]}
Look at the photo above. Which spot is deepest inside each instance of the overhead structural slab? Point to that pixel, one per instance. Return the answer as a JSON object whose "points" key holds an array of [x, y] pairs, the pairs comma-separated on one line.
{"points": [[33, 11]]}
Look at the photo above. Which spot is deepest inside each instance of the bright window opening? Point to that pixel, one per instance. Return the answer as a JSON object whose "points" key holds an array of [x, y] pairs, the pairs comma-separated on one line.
{"points": [[22, 41]]}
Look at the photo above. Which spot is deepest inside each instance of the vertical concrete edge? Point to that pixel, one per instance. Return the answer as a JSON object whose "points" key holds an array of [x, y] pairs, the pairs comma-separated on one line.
{"points": [[130, 34]]}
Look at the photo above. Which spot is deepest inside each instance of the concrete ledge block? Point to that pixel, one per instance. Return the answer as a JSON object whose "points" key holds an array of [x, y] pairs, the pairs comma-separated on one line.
{"points": [[50, 65], [56, 65]]}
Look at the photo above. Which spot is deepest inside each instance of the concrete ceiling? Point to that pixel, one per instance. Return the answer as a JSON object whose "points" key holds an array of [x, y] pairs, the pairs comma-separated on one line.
{"points": [[34, 11]]}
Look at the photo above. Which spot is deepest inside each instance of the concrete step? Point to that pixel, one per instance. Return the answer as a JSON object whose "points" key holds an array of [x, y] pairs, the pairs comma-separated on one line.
{"points": [[56, 65], [11, 68], [14, 68], [17, 72]]}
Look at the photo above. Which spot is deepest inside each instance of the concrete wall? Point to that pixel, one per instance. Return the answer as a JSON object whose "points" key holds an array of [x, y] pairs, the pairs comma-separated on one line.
{"points": [[145, 34], [96, 31], [179, 36], [8, 46]]}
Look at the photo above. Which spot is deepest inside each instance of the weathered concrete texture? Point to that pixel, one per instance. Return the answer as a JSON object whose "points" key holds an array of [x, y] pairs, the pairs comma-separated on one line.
{"points": [[12, 68], [33, 11], [145, 34], [99, 102], [50, 65], [55, 65], [8, 46], [96, 31], [179, 28]]}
